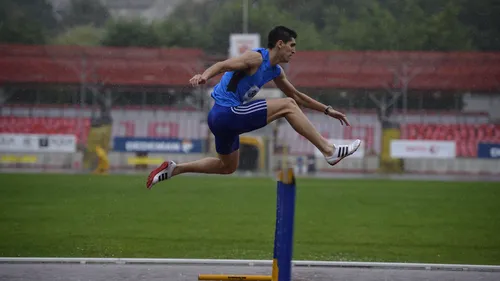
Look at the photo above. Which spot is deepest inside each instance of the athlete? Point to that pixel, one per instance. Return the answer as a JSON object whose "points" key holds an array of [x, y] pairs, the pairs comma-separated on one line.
{"points": [[233, 113]]}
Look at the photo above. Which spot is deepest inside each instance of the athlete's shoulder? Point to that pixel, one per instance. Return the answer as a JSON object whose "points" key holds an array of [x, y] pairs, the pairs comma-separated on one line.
{"points": [[260, 50], [263, 52], [279, 70], [255, 52], [251, 58]]}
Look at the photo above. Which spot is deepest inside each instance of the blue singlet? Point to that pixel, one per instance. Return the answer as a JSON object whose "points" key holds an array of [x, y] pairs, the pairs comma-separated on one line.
{"points": [[232, 113]]}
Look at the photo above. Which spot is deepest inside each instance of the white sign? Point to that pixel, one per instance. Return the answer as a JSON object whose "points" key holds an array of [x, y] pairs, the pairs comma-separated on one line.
{"points": [[495, 152], [360, 153], [239, 43], [37, 143], [422, 149]]}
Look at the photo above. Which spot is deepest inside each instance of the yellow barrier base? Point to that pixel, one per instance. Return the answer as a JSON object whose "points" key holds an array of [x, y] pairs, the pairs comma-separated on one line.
{"points": [[144, 160], [18, 159], [214, 277]]}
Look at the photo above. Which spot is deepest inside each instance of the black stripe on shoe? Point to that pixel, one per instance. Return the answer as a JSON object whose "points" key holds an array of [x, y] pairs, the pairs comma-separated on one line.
{"points": [[345, 150]]}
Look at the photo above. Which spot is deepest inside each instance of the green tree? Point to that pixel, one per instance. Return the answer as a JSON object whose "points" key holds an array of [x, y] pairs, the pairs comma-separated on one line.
{"points": [[220, 19], [182, 34], [418, 24], [134, 32], [320, 12], [446, 32], [198, 12], [83, 12], [83, 35], [398, 25], [442, 25], [26, 22], [265, 16], [308, 11], [482, 16], [429, 25], [410, 29], [372, 29]]}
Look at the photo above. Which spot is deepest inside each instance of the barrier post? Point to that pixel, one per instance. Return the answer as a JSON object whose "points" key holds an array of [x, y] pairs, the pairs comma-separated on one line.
{"points": [[283, 233], [285, 216]]}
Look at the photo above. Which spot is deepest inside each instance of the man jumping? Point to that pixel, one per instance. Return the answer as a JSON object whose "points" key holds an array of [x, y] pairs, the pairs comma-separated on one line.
{"points": [[233, 114]]}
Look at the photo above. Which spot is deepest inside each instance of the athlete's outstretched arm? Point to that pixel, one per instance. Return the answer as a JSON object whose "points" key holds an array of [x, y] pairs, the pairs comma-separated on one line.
{"points": [[302, 99], [247, 60]]}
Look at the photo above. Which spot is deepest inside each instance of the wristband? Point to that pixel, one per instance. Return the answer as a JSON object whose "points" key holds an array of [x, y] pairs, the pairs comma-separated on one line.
{"points": [[326, 109]]}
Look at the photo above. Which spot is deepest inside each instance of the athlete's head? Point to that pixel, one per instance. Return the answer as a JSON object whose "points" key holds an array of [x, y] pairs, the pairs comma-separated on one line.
{"points": [[283, 40]]}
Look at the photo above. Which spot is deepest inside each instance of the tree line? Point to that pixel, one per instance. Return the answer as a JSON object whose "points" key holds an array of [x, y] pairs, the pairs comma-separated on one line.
{"points": [[432, 25]]}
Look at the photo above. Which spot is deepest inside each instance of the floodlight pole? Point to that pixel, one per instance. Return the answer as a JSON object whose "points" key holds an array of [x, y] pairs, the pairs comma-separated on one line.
{"points": [[245, 16]]}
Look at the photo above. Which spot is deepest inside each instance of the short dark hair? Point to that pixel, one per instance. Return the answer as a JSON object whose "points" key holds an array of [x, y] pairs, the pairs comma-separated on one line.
{"points": [[280, 33]]}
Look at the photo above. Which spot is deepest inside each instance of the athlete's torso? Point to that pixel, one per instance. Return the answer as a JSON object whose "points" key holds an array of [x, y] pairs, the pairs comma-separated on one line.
{"points": [[236, 87]]}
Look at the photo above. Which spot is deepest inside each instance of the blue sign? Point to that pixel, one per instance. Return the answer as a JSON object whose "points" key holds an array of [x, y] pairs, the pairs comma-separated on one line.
{"points": [[488, 150], [157, 145]]}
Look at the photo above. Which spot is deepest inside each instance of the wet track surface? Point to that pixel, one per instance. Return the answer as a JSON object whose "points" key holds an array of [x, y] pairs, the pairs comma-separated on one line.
{"points": [[154, 272]]}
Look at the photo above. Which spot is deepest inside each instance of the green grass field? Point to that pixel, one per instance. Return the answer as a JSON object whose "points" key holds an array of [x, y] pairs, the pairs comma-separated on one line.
{"points": [[230, 217]]}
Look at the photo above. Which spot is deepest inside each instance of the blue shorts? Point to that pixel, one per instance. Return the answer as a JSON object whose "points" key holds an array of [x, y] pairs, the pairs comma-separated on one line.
{"points": [[228, 123]]}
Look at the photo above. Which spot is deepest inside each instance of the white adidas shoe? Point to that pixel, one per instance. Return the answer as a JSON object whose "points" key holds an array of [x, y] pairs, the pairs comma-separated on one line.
{"points": [[163, 172], [342, 151]]}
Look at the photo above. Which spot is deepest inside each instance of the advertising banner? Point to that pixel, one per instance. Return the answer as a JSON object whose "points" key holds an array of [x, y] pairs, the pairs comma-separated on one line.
{"points": [[240, 43], [158, 145], [360, 153], [37, 143], [488, 150], [422, 149]]}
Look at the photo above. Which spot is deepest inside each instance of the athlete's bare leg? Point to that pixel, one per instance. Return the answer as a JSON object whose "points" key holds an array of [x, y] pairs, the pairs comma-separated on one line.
{"points": [[288, 108], [224, 164]]}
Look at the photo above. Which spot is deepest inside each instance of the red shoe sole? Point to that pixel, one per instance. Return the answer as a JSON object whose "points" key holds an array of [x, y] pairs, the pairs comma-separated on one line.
{"points": [[154, 172]]}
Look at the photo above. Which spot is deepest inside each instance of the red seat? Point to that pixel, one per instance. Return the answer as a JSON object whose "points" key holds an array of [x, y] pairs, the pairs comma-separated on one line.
{"points": [[461, 148], [44, 125]]}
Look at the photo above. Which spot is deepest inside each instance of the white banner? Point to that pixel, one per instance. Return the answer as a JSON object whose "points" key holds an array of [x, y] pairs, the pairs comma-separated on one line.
{"points": [[37, 143], [422, 149], [239, 43], [360, 153]]}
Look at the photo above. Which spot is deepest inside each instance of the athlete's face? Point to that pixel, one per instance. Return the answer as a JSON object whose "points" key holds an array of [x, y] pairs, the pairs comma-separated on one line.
{"points": [[286, 50]]}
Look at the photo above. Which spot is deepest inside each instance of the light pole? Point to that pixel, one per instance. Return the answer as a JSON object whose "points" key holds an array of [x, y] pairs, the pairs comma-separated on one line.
{"points": [[245, 16]]}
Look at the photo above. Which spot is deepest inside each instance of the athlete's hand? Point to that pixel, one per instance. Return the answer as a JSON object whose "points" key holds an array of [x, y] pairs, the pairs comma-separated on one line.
{"points": [[198, 79], [339, 115]]}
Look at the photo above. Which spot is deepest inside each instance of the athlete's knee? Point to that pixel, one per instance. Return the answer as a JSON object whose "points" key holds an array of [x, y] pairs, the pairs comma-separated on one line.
{"points": [[228, 165], [228, 168], [291, 104], [278, 108]]}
